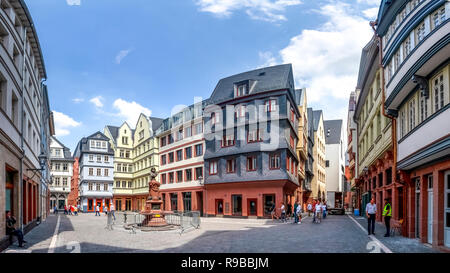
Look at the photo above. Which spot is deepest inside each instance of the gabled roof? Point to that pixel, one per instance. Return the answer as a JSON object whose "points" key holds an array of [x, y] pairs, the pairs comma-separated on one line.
{"points": [[310, 124], [333, 131], [114, 130], [156, 123], [260, 80], [300, 96], [98, 135], [66, 151], [316, 118]]}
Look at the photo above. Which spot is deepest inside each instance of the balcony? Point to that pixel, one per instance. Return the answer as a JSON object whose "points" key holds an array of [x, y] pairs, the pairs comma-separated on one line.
{"points": [[306, 185]]}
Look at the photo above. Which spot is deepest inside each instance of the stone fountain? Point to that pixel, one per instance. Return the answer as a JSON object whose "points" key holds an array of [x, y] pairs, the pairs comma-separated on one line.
{"points": [[154, 214]]}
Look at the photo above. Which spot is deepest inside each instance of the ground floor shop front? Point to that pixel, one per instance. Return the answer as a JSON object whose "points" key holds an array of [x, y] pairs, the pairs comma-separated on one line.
{"points": [[249, 199], [184, 199], [88, 204], [130, 202]]}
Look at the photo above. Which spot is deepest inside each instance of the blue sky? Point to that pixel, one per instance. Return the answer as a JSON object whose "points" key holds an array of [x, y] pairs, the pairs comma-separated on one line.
{"points": [[109, 60]]}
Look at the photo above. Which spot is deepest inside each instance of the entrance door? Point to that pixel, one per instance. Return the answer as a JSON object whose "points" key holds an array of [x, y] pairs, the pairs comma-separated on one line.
{"points": [[252, 207], [447, 210], [430, 209], [219, 206], [200, 202], [61, 204], [417, 229]]}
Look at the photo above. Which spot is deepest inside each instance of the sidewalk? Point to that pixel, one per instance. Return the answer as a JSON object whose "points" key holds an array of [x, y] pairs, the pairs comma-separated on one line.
{"points": [[397, 243]]}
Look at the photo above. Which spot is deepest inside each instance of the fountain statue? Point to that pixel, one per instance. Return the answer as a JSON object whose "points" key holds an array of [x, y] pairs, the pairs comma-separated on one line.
{"points": [[154, 214]]}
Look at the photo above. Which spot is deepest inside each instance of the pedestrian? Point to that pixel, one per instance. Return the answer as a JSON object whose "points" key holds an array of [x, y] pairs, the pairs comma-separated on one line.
{"points": [[324, 210], [71, 210], [65, 209], [79, 207], [371, 213], [314, 210], [55, 210], [12, 231], [387, 213], [318, 211], [97, 210], [299, 213], [75, 211], [105, 209], [283, 213], [113, 209], [273, 211], [289, 211], [295, 213], [309, 208]]}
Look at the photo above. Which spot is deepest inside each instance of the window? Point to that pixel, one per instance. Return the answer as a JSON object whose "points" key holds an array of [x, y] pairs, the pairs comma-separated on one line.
{"points": [[251, 163], [163, 178], [179, 176], [163, 160], [91, 158], [124, 184], [99, 158], [292, 142], [397, 60], [188, 131], [106, 159], [274, 162], [254, 136], [106, 172], [288, 163], [130, 184], [90, 186], [188, 175], [125, 139], [240, 111], [236, 204], [97, 188], [57, 181], [127, 154], [271, 105], [170, 139], [198, 173], [241, 90], [231, 165], [438, 17], [198, 128], [179, 155], [163, 141], [438, 91], [327, 163], [99, 172], [423, 108], [91, 171], [65, 167], [199, 150], [188, 153], [180, 135], [213, 167], [105, 187], [228, 141], [402, 124], [412, 114], [420, 32], [65, 181], [171, 178], [117, 184], [215, 118], [292, 115], [171, 157]]}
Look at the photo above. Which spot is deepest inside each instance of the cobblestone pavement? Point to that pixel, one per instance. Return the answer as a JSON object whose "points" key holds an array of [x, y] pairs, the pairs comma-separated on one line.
{"points": [[86, 233]]}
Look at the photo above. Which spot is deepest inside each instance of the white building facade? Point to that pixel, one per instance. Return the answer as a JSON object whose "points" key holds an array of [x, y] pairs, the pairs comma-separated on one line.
{"points": [[61, 170], [334, 162], [96, 164]]}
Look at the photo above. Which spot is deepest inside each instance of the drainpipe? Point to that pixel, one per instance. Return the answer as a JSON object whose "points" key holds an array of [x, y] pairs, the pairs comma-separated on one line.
{"points": [[22, 148]]}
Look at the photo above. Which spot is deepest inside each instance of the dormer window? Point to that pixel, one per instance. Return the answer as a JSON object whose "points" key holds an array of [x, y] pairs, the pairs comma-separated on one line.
{"points": [[241, 90]]}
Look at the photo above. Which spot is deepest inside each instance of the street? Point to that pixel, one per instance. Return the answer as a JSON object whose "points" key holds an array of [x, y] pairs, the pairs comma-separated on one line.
{"points": [[86, 233]]}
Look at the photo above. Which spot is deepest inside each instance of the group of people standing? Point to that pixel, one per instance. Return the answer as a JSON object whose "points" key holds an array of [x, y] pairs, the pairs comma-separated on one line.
{"points": [[371, 213], [287, 212], [318, 209], [68, 210], [111, 209]]}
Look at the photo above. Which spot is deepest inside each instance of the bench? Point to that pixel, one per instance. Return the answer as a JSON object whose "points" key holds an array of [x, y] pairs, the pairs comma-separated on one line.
{"points": [[396, 225]]}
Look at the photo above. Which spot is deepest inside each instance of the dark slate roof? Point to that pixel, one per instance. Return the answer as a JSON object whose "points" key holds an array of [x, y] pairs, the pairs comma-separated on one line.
{"points": [[263, 79], [299, 94], [114, 130], [387, 13], [156, 123], [332, 131], [83, 144], [316, 117]]}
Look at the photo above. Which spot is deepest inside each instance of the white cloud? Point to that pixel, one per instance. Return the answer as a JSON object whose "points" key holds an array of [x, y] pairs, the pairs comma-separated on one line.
{"points": [[370, 2], [266, 10], [371, 13], [121, 55], [78, 100], [326, 59], [130, 111], [63, 123], [267, 59], [97, 101], [73, 2]]}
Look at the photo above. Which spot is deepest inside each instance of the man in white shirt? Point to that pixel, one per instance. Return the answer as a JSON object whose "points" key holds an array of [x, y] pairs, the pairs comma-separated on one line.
{"points": [[318, 211], [309, 208], [113, 209], [371, 212]]}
